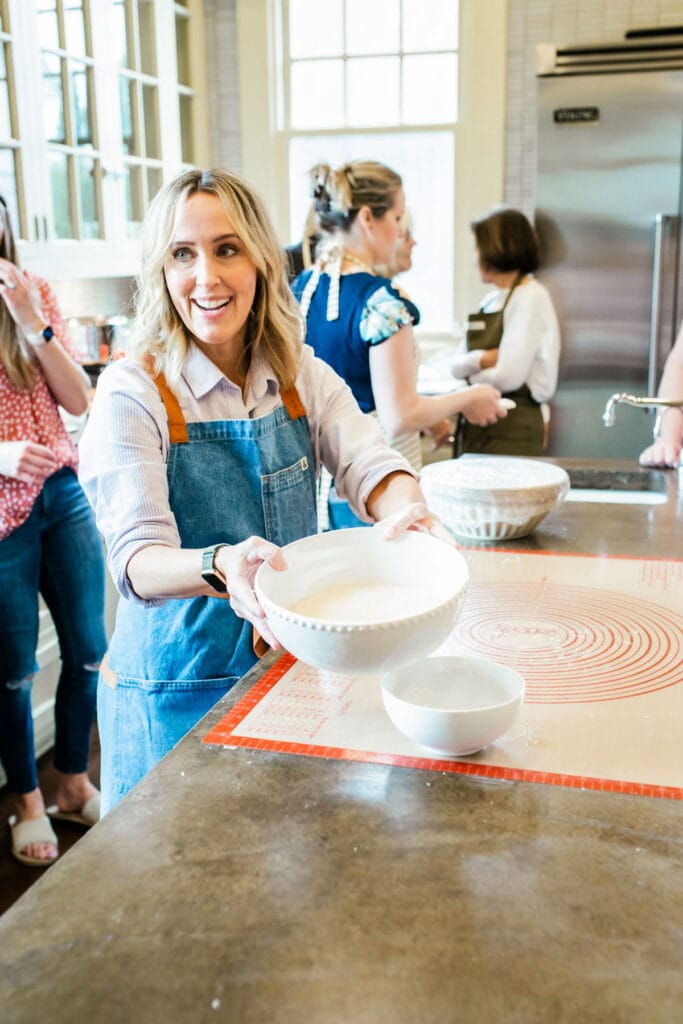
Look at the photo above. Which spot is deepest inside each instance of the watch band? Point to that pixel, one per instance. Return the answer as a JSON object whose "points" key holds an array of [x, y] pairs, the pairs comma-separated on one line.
{"points": [[209, 572], [40, 338]]}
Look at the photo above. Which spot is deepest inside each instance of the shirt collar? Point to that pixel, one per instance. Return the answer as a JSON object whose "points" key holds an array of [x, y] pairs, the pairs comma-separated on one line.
{"points": [[202, 376]]}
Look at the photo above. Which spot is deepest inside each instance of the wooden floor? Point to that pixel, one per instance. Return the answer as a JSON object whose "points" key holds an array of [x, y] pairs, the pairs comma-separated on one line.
{"points": [[16, 878]]}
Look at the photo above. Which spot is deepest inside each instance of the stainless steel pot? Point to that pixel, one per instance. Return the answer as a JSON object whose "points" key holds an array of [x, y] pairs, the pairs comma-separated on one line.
{"points": [[98, 338]]}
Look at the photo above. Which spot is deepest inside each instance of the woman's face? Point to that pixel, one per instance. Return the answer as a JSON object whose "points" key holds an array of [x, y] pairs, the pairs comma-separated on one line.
{"points": [[403, 257], [210, 276], [385, 231]]}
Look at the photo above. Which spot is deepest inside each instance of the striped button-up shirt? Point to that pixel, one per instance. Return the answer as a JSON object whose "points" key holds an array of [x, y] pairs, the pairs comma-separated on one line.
{"points": [[125, 445]]}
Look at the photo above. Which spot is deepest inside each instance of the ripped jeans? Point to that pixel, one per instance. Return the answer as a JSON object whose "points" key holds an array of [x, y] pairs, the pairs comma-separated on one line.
{"points": [[57, 551]]}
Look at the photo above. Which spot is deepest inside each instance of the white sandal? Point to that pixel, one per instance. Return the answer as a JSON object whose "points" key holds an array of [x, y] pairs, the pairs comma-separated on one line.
{"points": [[29, 831], [88, 815]]}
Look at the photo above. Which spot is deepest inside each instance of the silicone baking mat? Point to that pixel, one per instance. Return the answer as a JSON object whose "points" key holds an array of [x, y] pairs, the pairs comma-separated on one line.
{"points": [[599, 642]]}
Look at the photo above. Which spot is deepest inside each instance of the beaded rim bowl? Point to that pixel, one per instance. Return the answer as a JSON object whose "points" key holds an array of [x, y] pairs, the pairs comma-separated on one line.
{"points": [[358, 557]]}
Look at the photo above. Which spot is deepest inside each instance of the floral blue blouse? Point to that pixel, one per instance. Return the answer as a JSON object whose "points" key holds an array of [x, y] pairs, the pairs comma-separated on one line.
{"points": [[371, 310]]}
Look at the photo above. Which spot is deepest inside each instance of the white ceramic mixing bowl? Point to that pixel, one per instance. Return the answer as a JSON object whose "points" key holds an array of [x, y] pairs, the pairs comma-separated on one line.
{"points": [[351, 601], [493, 497], [453, 705]]}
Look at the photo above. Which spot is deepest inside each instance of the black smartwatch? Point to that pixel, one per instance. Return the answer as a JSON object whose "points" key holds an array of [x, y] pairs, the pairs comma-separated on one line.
{"points": [[209, 573], [41, 338]]}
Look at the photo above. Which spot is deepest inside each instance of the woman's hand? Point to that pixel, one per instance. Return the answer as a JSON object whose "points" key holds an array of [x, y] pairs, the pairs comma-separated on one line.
{"points": [[662, 453], [26, 461], [238, 564], [489, 358], [442, 433], [415, 516], [481, 405], [21, 297]]}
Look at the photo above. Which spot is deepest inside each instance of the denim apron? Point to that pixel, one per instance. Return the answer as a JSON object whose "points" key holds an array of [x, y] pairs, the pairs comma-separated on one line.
{"points": [[168, 664]]}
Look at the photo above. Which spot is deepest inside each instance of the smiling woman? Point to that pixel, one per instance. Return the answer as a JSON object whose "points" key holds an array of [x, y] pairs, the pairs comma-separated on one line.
{"points": [[212, 431], [212, 281]]}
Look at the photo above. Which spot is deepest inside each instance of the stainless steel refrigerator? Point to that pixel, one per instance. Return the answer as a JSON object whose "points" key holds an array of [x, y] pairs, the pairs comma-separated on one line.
{"points": [[608, 214]]}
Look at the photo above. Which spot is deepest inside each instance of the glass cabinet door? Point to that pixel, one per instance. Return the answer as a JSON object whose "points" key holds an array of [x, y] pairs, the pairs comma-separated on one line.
{"points": [[98, 106], [70, 124]]}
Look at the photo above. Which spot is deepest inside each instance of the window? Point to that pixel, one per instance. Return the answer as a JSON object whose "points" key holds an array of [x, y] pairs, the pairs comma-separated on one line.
{"points": [[11, 156], [136, 53], [69, 123], [377, 79]]}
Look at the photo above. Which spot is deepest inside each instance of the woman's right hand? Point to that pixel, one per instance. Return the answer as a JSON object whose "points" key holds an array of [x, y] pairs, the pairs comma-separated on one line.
{"points": [[238, 564], [26, 461], [481, 405], [662, 453]]}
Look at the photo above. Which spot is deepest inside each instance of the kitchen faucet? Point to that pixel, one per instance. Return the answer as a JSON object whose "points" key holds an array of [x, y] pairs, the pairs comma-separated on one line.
{"points": [[648, 403]]}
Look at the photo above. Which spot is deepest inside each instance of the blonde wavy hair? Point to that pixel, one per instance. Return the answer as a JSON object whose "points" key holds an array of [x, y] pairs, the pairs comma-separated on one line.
{"points": [[19, 365], [339, 194], [274, 324]]}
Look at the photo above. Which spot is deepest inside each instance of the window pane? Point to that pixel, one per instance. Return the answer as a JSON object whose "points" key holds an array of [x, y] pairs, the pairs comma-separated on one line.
{"points": [[186, 137], [182, 42], [5, 118], [148, 56], [151, 112], [74, 28], [430, 88], [372, 90], [90, 222], [135, 203], [317, 99], [61, 206], [430, 25], [53, 99], [373, 27], [155, 180], [315, 28], [80, 94], [8, 188], [425, 161], [48, 31], [119, 39], [129, 139]]}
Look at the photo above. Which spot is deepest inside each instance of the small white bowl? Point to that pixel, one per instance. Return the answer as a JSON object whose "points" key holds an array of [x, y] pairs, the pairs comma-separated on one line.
{"points": [[493, 497], [453, 705], [351, 601]]}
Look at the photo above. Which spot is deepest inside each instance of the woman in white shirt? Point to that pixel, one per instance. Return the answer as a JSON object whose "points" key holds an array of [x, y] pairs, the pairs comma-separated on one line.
{"points": [[519, 323]]}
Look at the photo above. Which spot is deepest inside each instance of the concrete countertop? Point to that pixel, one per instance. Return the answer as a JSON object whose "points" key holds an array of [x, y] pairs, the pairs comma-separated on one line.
{"points": [[251, 886]]}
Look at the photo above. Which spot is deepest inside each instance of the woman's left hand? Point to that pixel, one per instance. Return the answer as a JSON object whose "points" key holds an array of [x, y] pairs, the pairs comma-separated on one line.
{"points": [[415, 516], [442, 433], [21, 297], [239, 564]]}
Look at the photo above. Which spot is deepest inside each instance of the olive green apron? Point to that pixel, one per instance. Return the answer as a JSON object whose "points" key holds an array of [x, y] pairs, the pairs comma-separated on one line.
{"points": [[522, 431]]}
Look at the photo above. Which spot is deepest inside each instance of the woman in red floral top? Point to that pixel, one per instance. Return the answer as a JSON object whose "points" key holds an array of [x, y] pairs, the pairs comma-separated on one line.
{"points": [[49, 545]]}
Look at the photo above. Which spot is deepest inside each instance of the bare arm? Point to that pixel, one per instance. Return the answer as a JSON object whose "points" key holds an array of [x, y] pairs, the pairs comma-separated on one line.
{"points": [[399, 407], [66, 380], [666, 449]]}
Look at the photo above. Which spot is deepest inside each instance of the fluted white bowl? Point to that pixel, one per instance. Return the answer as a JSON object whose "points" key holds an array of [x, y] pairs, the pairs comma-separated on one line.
{"points": [[453, 705], [399, 599], [493, 497]]}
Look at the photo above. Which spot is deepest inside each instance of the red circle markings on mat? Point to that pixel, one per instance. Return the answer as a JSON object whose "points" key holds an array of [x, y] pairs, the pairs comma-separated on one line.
{"points": [[572, 644]]}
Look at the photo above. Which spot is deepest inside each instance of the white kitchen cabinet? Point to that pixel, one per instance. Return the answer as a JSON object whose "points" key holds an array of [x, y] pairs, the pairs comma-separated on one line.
{"points": [[101, 101]]}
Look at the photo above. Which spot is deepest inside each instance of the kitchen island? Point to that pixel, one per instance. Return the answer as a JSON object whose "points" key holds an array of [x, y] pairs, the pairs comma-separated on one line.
{"points": [[250, 885]]}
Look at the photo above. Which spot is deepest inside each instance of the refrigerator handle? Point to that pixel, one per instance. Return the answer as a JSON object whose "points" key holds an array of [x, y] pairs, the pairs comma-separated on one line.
{"points": [[662, 222]]}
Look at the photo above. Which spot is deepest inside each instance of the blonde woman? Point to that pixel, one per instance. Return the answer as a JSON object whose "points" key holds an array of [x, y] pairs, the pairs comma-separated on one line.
{"points": [[360, 324], [200, 459], [48, 545]]}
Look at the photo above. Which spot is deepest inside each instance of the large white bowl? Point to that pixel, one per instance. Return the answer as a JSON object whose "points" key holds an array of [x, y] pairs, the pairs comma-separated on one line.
{"points": [[493, 497], [397, 601], [453, 705]]}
